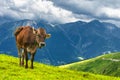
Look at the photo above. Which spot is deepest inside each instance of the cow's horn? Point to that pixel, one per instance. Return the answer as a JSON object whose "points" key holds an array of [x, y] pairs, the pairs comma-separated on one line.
{"points": [[33, 30]]}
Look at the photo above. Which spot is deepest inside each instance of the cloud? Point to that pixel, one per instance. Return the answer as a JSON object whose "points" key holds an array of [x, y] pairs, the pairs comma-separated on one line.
{"points": [[110, 12], [61, 11], [35, 9], [92, 9]]}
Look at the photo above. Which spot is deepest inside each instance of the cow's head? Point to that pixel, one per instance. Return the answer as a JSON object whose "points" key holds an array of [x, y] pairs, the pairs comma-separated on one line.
{"points": [[41, 35]]}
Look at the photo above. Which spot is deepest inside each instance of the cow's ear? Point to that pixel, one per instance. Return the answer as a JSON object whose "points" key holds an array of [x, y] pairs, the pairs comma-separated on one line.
{"points": [[48, 36]]}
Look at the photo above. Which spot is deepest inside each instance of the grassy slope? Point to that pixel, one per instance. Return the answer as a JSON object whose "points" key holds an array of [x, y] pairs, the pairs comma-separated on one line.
{"points": [[108, 64], [10, 70]]}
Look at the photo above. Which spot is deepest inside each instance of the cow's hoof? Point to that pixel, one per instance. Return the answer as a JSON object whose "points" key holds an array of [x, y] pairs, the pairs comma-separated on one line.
{"points": [[26, 67], [22, 64], [31, 67], [19, 64]]}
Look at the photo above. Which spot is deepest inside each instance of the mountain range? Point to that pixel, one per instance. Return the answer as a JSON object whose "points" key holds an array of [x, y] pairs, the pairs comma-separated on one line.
{"points": [[69, 42]]}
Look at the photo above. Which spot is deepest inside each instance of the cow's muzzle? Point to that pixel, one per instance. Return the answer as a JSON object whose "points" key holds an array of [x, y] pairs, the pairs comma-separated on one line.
{"points": [[41, 44]]}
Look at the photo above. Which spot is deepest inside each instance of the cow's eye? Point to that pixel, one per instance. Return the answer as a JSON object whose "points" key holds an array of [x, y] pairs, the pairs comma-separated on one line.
{"points": [[38, 36]]}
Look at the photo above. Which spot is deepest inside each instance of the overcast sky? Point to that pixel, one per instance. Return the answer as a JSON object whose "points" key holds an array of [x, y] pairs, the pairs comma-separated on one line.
{"points": [[62, 11]]}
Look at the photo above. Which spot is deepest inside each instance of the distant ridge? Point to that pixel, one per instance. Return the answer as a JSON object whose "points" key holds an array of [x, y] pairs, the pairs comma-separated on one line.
{"points": [[108, 64]]}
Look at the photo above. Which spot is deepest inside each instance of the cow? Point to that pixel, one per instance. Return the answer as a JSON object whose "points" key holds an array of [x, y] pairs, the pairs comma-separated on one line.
{"points": [[28, 40]]}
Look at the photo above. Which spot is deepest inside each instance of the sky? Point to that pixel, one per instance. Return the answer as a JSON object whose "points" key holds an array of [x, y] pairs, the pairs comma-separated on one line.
{"points": [[62, 11]]}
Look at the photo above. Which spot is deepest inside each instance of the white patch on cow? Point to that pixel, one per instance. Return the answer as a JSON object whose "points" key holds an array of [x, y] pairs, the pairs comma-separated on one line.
{"points": [[28, 49], [22, 50], [40, 44]]}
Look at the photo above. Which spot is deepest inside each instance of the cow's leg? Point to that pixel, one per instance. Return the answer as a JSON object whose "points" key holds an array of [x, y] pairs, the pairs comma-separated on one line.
{"points": [[22, 58], [32, 59], [19, 55], [26, 58]]}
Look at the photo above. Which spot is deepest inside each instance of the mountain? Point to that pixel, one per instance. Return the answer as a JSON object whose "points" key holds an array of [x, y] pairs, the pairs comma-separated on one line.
{"points": [[108, 64], [93, 38], [4, 19], [10, 70], [69, 42]]}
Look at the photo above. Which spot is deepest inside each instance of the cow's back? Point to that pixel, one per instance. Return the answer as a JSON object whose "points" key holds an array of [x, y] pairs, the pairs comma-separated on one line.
{"points": [[18, 30], [25, 37]]}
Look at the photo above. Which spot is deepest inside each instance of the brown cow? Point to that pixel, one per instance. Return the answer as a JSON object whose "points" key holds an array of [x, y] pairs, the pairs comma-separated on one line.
{"points": [[29, 39]]}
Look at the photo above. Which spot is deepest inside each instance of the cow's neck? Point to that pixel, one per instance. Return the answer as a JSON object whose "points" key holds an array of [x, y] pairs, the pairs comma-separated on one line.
{"points": [[32, 49], [35, 43]]}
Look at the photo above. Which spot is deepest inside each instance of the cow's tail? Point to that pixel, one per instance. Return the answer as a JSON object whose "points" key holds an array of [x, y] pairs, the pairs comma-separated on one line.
{"points": [[18, 30]]}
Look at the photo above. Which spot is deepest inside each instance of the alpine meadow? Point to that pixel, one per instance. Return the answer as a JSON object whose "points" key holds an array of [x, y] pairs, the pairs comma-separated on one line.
{"points": [[59, 39], [9, 69]]}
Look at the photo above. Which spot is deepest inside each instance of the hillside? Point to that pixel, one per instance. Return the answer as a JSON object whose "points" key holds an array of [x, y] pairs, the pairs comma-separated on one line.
{"points": [[108, 64], [9, 70]]}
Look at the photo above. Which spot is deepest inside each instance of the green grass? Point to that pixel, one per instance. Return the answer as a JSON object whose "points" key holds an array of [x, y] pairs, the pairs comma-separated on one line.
{"points": [[10, 70], [105, 65]]}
